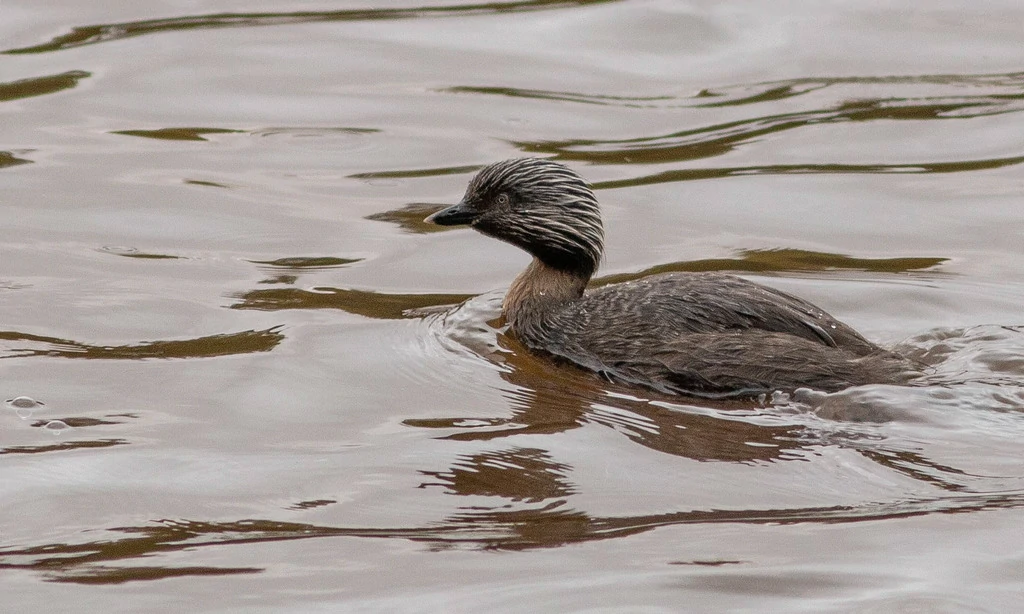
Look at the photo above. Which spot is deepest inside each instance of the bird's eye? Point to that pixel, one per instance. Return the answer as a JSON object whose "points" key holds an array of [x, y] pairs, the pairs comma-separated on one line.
{"points": [[502, 199]]}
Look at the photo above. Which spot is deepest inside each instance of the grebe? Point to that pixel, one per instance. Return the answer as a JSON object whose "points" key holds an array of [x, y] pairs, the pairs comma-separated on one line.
{"points": [[700, 334]]}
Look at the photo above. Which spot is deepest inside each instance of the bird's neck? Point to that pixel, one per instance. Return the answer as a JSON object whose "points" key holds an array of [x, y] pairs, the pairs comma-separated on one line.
{"points": [[539, 289]]}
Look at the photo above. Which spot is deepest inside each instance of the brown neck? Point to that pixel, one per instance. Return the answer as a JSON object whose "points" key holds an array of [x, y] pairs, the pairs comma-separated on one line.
{"points": [[538, 289]]}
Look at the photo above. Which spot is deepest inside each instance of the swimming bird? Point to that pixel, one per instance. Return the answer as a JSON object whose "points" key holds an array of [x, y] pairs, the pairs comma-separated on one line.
{"points": [[697, 334]]}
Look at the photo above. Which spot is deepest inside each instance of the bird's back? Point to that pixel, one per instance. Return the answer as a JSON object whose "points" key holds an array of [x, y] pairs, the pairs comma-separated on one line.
{"points": [[709, 334]]}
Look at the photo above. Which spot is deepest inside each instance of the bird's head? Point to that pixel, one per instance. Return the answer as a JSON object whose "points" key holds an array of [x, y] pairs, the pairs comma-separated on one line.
{"points": [[538, 205]]}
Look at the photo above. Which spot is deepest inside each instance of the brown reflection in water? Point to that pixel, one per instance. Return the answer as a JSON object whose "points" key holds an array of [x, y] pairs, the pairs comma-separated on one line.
{"points": [[119, 575], [207, 184], [89, 35], [707, 563], [312, 131], [413, 174], [807, 169], [554, 526], [550, 398], [788, 88], [185, 133], [177, 134], [641, 102], [551, 525], [360, 302], [110, 560], [314, 503], [719, 139], [280, 279], [40, 86], [394, 306], [9, 159], [770, 91], [516, 474], [77, 421], [783, 260], [751, 94], [63, 446], [695, 174], [299, 263], [723, 138], [410, 217], [766, 93], [131, 252], [245, 342], [917, 467], [148, 256]]}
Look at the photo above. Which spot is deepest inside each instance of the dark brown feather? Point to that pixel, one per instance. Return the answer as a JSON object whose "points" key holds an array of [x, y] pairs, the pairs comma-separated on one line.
{"points": [[704, 334], [708, 334]]}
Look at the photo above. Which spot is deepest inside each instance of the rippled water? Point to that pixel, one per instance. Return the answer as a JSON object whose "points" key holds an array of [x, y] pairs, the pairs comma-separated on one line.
{"points": [[242, 374]]}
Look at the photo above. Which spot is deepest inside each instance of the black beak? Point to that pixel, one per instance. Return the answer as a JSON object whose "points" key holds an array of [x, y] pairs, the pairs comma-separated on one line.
{"points": [[453, 216]]}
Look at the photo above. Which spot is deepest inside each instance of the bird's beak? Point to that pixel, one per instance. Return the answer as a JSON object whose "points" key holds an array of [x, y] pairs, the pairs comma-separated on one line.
{"points": [[453, 216]]}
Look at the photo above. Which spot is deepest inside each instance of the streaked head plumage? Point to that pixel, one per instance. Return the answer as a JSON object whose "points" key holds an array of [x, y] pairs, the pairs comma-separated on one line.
{"points": [[539, 205]]}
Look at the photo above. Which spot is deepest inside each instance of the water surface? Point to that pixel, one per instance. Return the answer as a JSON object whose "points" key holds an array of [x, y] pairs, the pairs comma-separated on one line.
{"points": [[243, 375]]}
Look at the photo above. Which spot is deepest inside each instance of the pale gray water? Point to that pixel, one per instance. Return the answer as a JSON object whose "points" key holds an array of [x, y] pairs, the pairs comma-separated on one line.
{"points": [[255, 381]]}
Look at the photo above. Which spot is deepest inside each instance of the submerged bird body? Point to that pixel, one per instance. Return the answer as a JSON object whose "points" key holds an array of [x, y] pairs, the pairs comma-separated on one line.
{"points": [[703, 334]]}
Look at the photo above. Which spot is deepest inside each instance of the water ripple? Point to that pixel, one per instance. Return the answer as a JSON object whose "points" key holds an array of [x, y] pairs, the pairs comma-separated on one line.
{"points": [[41, 86], [14, 344], [1007, 88], [809, 169], [93, 34], [111, 559], [8, 159]]}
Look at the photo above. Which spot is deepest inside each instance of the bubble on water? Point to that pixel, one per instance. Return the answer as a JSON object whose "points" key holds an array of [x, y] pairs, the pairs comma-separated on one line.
{"points": [[56, 426], [23, 406], [120, 250], [24, 402]]}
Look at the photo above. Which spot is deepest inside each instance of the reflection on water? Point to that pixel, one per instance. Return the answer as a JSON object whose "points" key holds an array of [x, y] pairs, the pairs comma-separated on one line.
{"points": [[76, 422], [177, 134], [864, 153], [183, 133], [417, 173], [546, 399], [785, 169], [19, 345], [299, 263], [63, 446], [532, 491], [918, 467], [394, 306], [360, 302], [89, 35], [132, 252], [997, 94], [550, 526], [1000, 94], [8, 158], [517, 474], [40, 86], [773, 91], [410, 217], [784, 261]]}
